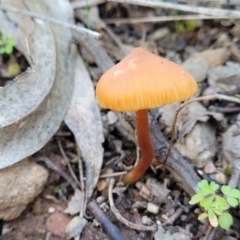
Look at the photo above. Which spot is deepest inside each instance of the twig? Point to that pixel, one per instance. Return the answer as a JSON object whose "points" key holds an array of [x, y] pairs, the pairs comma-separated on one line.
{"points": [[204, 98], [68, 163], [117, 214], [55, 168], [225, 2], [108, 226], [112, 174], [83, 4], [156, 19], [73, 27], [182, 7], [172, 219], [80, 168], [233, 182]]}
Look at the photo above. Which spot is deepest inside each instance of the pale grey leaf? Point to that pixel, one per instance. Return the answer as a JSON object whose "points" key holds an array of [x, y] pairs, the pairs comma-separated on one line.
{"points": [[84, 120]]}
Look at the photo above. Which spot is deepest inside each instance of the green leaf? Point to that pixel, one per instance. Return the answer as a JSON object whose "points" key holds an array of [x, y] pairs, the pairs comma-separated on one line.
{"points": [[191, 25], [234, 193], [212, 218], [195, 199], [220, 202], [233, 202], [202, 183], [202, 216], [203, 193], [208, 189], [206, 202], [225, 190], [225, 220], [214, 186], [218, 211]]}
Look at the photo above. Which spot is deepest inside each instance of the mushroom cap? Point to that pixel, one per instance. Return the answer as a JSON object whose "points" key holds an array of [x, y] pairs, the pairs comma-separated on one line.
{"points": [[143, 80]]}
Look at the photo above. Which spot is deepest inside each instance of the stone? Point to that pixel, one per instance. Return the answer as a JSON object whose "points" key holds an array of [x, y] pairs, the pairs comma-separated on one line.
{"points": [[19, 185]]}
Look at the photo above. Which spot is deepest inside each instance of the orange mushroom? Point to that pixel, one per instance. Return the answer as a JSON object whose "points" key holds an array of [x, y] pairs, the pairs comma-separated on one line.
{"points": [[141, 81]]}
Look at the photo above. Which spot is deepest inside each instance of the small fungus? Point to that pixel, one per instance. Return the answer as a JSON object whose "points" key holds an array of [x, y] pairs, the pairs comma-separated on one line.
{"points": [[152, 82]]}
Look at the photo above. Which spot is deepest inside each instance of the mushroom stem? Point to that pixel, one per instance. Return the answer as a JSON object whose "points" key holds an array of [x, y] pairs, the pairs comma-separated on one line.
{"points": [[145, 146]]}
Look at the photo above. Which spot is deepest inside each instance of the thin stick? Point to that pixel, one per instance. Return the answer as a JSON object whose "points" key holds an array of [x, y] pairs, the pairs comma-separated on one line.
{"points": [[156, 19], [225, 2], [73, 27], [111, 229], [55, 168], [83, 4], [116, 174], [201, 10], [68, 163], [204, 98], [117, 214], [80, 169]]}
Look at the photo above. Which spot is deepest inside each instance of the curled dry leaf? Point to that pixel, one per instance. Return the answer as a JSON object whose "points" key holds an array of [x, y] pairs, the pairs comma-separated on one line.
{"points": [[157, 189], [200, 63], [76, 203], [199, 145], [32, 107], [75, 227], [161, 234], [225, 77], [187, 117], [231, 144], [84, 120]]}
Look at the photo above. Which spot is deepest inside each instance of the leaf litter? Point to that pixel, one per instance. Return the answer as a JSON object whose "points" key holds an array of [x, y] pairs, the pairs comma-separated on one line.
{"points": [[196, 122]]}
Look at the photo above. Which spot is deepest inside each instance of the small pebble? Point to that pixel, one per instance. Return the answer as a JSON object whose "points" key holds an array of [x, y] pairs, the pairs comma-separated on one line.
{"points": [[221, 178], [183, 217], [209, 167], [145, 220], [101, 185], [100, 199], [51, 210], [152, 208], [112, 117]]}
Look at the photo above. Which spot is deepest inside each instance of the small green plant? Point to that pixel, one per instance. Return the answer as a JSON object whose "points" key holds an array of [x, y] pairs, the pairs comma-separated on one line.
{"points": [[216, 206], [184, 26], [6, 44]]}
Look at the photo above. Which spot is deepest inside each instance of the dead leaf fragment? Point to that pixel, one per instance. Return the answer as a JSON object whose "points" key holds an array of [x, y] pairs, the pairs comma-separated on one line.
{"points": [[200, 63], [32, 107], [76, 203], [75, 227], [84, 120], [231, 144]]}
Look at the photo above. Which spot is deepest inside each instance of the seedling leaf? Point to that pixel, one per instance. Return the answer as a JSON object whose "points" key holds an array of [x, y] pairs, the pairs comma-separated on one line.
{"points": [[234, 193], [212, 218], [206, 202], [225, 220], [225, 190], [204, 182], [195, 199], [202, 216], [220, 202], [233, 202], [214, 186]]}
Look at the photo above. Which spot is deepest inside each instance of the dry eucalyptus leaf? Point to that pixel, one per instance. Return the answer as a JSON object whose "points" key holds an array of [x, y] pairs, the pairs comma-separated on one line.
{"points": [[76, 203], [84, 120], [200, 63], [187, 117], [226, 76], [75, 227], [199, 145], [157, 189], [231, 144], [177, 234], [33, 106]]}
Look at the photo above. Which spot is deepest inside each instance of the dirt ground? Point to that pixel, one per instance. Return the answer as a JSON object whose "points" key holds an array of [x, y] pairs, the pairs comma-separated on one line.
{"points": [[44, 218]]}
